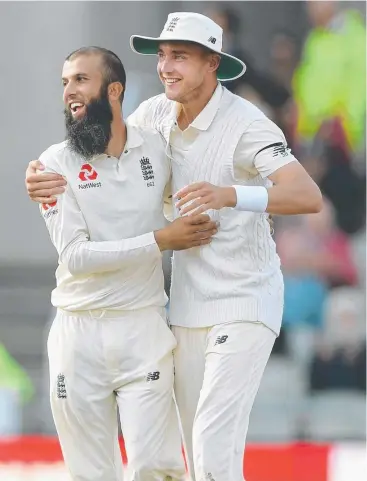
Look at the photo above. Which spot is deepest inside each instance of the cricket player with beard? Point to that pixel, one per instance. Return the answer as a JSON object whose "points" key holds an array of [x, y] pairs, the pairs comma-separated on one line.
{"points": [[229, 160], [110, 343]]}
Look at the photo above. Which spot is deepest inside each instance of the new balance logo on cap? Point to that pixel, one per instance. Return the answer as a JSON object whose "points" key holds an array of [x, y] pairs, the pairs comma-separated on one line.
{"points": [[212, 40]]}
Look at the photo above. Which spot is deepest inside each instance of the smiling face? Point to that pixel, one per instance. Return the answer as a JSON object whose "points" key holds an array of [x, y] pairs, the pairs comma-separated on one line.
{"points": [[88, 106], [185, 69], [82, 79]]}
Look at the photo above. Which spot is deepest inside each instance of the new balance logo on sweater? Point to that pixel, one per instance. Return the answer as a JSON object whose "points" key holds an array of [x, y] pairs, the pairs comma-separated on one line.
{"points": [[280, 149]]}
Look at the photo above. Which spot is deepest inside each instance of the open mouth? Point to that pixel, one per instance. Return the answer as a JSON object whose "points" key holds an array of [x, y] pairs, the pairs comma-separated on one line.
{"points": [[76, 108]]}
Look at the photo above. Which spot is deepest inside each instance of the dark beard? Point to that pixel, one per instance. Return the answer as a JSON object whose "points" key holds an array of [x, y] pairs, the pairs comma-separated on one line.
{"points": [[89, 136]]}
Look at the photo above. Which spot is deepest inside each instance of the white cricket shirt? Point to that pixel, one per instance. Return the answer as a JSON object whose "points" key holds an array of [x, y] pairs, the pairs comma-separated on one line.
{"points": [[237, 277], [102, 226]]}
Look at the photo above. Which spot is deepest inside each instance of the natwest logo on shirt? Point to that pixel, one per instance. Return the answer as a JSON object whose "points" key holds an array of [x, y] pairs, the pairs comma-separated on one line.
{"points": [[88, 173]]}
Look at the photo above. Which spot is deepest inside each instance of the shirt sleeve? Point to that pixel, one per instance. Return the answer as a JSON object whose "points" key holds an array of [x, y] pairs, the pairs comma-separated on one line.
{"points": [[262, 149], [142, 116], [69, 233]]}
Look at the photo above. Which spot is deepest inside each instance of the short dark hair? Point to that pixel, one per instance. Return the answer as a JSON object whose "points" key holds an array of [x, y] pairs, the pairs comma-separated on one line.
{"points": [[113, 71]]}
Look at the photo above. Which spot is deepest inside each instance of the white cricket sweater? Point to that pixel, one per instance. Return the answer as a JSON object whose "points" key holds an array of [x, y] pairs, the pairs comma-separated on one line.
{"points": [[102, 226], [237, 277]]}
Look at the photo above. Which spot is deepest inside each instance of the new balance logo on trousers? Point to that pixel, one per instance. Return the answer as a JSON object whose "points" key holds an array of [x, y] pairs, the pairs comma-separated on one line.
{"points": [[153, 376], [221, 340]]}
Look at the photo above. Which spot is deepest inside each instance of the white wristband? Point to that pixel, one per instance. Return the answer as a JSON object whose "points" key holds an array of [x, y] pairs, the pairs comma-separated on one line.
{"points": [[251, 198]]}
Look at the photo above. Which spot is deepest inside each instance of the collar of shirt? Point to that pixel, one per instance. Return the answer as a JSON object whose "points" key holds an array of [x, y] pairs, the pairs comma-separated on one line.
{"points": [[206, 116], [133, 140]]}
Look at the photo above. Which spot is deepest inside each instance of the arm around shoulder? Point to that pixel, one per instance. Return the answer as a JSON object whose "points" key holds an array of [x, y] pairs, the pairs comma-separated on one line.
{"points": [[44, 179]]}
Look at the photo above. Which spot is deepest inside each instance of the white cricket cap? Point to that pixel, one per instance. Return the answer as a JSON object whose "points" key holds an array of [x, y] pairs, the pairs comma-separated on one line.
{"points": [[197, 28]]}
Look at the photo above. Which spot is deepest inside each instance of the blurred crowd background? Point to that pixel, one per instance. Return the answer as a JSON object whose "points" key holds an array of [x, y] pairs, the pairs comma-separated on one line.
{"points": [[307, 71]]}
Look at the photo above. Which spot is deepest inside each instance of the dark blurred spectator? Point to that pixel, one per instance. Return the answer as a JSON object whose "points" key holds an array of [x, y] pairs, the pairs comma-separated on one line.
{"points": [[340, 358], [330, 82], [339, 180], [284, 57], [339, 369], [266, 88], [346, 189]]}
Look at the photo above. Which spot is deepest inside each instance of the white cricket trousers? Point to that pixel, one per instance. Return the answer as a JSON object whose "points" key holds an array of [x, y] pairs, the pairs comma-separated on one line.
{"points": [[101, 359], [217, 375]]}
